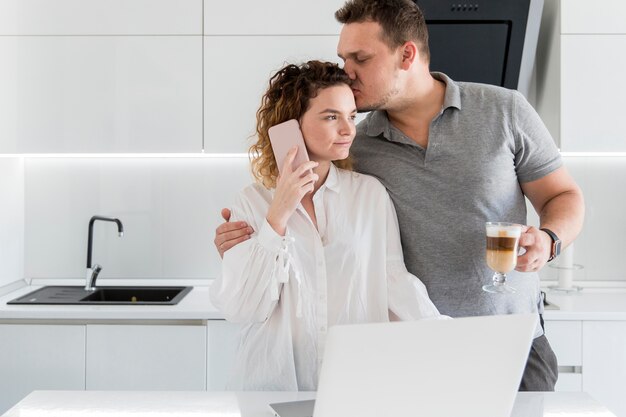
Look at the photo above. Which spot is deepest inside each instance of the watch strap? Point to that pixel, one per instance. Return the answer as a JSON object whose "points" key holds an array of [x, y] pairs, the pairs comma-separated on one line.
{"points": [[555, 249]]}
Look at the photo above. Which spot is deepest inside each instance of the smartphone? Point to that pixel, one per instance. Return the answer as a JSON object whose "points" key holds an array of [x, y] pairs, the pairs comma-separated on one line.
{"points": [[285, 136]]}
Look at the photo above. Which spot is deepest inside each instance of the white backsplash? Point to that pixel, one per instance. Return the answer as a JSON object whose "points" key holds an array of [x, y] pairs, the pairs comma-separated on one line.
{"points": [[11, 220], [170, 208], [599, 248]]}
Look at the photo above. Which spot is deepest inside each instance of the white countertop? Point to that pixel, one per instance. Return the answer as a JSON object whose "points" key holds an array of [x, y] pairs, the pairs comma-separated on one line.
{"points": [[194, 306], [588, 304], [248, 404]]}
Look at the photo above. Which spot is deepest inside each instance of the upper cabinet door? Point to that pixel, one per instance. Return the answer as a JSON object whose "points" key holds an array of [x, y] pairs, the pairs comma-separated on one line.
{"points": [[593, 63], [599, 16], [100, 17], [236, 74], [100, 76], [592, 87], [100, 94], [271, 17]]}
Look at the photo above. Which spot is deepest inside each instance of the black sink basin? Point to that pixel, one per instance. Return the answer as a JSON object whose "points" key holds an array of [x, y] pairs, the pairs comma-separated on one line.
{"points": [[104, 295], [135, 295]]}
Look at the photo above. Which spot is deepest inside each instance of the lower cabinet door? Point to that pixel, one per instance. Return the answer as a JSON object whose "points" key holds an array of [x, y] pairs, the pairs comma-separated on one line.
{"points": [[40, 357], [604, 359], [146, 357], [565, 337], [223, 339]]}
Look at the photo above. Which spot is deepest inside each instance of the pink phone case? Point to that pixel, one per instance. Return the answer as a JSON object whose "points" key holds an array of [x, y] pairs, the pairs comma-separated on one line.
{"points": [[285, 136]]}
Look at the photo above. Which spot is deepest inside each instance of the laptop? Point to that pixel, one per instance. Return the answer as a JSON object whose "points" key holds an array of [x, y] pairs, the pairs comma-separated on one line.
{"points": [[467, 367]]}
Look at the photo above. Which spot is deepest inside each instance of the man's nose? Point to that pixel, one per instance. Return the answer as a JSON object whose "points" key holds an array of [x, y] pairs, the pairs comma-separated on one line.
{"points": [[347, 67]]}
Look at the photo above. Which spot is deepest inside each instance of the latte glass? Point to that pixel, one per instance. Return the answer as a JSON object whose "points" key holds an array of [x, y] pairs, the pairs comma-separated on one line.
{"points": [[502, 249]]}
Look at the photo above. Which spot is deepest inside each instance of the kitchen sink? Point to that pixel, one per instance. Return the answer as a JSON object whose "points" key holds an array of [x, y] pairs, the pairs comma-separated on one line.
{"points": [[122, 295]]}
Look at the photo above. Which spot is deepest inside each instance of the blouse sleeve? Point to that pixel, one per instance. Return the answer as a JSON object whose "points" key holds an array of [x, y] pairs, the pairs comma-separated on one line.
{"points": [[407, 295], [253, 271]]}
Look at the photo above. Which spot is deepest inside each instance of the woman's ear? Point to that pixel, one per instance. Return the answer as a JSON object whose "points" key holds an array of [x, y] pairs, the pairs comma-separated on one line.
{"points": [[410, 54]]}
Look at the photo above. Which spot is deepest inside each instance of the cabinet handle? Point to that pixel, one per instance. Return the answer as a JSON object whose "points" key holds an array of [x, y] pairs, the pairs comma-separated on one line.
{"points": [[570, 369]]}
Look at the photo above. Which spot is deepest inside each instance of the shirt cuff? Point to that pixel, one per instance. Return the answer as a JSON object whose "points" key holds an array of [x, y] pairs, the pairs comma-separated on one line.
{"points": [[269, 239]]}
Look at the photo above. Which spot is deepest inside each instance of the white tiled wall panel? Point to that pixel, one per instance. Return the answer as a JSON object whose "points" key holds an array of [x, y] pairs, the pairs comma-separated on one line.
{"points": [[101, 94], [237, 70], [600, 16], [599, 247], [170, 208], [592, 83], [100, 17], [271, 17], [11, 220]]}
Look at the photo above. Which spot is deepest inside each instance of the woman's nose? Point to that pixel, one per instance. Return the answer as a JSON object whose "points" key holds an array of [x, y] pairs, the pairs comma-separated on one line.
{"points": [[347, 127]]}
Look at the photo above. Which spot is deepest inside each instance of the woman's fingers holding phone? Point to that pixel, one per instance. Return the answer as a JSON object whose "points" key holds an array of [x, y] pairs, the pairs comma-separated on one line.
{"points": [[288, 162]]}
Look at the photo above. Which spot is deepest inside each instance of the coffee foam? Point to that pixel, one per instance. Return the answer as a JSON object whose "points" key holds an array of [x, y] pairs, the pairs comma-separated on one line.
{"points": [[504, 231]]}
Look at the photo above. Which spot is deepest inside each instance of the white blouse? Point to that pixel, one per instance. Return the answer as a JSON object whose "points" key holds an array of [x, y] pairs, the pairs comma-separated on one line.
{"points": [[288, 290]]}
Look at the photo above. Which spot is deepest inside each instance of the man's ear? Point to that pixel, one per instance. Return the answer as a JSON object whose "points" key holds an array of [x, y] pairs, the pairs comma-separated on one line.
{"points": [[410, 54]]}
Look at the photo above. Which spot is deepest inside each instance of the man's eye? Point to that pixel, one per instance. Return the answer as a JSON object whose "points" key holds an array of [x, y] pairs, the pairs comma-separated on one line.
{"points": [[331, 117]]}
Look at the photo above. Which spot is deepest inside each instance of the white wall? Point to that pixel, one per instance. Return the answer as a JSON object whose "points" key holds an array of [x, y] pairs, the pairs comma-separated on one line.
{"points": [[170, 208], [599, 247], [11, 220]]}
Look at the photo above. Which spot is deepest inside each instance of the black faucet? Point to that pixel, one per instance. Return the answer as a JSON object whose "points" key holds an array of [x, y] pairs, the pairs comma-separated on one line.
{"points": [[92, 272]]}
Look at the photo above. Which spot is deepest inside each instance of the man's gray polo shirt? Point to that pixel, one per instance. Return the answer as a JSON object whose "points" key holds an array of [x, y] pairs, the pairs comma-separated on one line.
{"points": [[484, 143]]}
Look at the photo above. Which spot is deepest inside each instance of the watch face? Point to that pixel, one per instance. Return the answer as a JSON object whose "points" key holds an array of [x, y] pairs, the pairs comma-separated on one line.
{"points": [[557, 248]]}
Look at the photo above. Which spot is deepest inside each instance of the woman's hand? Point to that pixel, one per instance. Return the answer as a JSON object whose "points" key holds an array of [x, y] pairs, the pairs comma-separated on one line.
{"points": [[291, 186]]}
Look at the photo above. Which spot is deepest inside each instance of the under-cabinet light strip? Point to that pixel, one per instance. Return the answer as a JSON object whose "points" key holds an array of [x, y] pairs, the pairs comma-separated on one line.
{"points": [[224, 155], [593, 154], [125, 155]]}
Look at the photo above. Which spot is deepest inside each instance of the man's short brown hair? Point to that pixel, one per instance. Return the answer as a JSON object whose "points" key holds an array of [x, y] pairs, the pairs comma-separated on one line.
{"points": [[401, 21]]}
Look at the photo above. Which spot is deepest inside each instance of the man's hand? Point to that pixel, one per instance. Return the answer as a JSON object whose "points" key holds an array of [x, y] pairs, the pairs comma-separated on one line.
{"points": [[229, 234], [538, 246]]}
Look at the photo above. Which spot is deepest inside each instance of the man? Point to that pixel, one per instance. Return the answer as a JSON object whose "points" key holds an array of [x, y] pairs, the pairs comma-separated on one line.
{"points": [[452, 155]]}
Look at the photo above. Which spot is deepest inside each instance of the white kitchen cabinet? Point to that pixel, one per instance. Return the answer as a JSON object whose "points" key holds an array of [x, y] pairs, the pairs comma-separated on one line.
{"points": [[232, 96], [100, 17], [565, 337], [604, 358], [222, 343], [146, 357], [40, 357], [593, 85], [89, 94], [581, 63], [601, 16], [271, 17]]}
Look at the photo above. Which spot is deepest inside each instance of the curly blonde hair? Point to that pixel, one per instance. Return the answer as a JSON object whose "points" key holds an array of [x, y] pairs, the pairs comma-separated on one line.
{"points": [[287, 97]]}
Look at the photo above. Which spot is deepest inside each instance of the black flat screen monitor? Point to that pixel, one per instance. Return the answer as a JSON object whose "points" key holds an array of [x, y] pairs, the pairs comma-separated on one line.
{"points": [[491, 41]]}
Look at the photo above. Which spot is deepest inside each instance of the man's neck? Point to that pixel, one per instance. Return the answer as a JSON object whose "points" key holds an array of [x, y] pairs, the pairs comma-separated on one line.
{"points": [[421, 103]]}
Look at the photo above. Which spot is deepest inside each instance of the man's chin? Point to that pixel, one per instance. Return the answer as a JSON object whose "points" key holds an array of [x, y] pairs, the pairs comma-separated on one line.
{"points": [[367, 107]]}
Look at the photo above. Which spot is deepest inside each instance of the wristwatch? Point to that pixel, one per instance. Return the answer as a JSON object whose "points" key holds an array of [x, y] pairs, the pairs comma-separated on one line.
{"points": [[555, 250]]}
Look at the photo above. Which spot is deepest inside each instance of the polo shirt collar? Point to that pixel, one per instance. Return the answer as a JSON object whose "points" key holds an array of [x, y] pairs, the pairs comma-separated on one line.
{"points": [[379, 122], [452, 97]]}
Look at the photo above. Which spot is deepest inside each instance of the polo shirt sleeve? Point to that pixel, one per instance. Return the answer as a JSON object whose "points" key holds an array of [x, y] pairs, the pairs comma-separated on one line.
{"points": [[536, 154]]}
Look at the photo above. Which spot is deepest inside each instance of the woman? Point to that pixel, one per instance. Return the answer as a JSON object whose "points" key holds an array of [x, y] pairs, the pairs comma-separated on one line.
{"points": [[326, 249]]}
